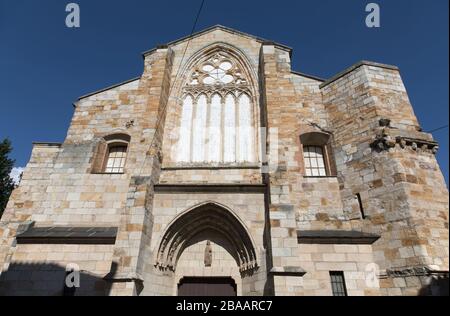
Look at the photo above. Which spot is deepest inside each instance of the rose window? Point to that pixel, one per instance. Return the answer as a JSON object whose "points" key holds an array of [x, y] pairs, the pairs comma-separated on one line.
{"points": [[218, 74], [218, 70]]}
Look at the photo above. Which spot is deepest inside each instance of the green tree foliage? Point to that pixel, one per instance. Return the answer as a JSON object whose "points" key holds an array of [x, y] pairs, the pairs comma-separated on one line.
{"points": [[6, 165]]}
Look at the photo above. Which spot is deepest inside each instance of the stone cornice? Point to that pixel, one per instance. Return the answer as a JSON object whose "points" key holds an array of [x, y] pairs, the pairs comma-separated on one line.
{"points": [[210, 188], [47, 144], [387, 138], [412, 271], [211, 166], [336, 237], [287, 271], [354, 67], [68, 235]]}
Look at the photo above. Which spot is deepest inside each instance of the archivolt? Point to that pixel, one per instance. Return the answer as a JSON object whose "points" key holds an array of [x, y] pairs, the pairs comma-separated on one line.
{"points": [[213, 218]]}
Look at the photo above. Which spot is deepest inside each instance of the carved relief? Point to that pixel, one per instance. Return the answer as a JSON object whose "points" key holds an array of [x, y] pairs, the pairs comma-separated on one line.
{"points": [[208, 254], [387, 138]]}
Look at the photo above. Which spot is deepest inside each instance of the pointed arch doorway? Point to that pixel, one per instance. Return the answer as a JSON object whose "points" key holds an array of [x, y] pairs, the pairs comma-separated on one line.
{"points": [[209, 251]]}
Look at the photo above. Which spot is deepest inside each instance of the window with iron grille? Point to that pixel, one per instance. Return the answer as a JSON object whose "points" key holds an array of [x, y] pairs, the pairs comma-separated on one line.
{"points": [[314, 161], [338, 283], [117, 156]]}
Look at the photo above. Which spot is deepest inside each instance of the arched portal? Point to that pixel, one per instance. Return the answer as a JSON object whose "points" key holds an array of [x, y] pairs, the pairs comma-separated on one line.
{"points": [[207, 220]]}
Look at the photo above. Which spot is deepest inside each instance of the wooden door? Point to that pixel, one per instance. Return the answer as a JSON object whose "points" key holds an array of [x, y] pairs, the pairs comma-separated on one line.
{"points": [[207, 287]]}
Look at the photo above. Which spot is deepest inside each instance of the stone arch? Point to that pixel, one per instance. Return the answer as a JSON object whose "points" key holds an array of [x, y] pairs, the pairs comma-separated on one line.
{"points": [[117, 133], [178, 143], [204, 218], [246, 65], [315, 138]]}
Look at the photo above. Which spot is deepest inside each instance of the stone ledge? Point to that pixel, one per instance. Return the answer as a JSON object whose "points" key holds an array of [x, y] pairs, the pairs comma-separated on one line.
{"points": [[210, 188], [212, 166], [320, 177], [123, 277], [47, 144], [334, 237], [68, 235], [386, 138], [287, 271], [413, 272]]}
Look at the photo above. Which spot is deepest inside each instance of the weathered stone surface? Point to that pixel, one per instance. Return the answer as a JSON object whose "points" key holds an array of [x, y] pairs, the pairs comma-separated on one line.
{"points": [[374, 150]]}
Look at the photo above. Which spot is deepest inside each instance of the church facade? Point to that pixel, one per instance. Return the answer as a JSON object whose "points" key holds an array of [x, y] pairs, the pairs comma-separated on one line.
{"points": [[221, 171]]}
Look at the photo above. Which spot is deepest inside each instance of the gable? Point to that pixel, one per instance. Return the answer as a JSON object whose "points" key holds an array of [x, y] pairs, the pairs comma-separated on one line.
{"points": [[223, 29]]}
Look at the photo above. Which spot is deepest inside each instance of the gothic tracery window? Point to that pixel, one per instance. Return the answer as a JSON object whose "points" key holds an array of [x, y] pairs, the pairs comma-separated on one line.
{"points": [[217, 118]]}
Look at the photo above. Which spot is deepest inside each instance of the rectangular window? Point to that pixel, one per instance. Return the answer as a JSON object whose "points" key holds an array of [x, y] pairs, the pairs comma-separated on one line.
{"points": [[116, 159], [338, 283], [314, 161]]}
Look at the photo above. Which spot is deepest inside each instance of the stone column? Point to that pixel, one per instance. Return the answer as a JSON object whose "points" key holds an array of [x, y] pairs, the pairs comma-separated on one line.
{"points": [[278, 99]]}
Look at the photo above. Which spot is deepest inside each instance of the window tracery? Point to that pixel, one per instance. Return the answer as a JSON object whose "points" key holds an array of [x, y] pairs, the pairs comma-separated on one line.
{"points": [[217, 120], [217, 70]]}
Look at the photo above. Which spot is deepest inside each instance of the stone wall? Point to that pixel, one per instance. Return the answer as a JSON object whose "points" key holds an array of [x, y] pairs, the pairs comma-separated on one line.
{"points": [[58, 188], [400, 184], [376, 144], [319, 260], [248, 208], [41, 270]]}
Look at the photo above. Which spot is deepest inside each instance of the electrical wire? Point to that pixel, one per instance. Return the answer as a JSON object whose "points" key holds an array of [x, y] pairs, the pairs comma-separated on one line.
{"points": [[162, 112]]}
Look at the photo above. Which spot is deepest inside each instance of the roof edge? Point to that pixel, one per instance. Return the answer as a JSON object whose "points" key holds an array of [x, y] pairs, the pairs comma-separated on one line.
{"points": [[308, 76], [108, 88], [336, 237], [47, 144], [219, 27], [356, 66]]}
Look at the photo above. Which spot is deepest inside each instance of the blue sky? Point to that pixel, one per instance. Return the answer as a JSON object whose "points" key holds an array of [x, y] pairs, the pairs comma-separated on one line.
{"points": [[45, 66]]}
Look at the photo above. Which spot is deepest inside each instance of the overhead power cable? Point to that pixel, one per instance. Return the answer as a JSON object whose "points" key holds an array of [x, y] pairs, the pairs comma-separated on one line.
{"points": [[159, 120], [438, 129]]}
